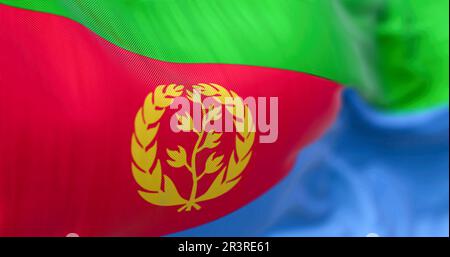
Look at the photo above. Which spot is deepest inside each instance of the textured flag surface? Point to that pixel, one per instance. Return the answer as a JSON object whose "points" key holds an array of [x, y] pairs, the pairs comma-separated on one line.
{"points": [[71, 115], [394, 52], [87, 96]]}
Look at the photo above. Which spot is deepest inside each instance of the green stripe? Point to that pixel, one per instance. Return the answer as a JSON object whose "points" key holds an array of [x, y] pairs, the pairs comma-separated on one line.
{"points": [[365, 44], [413, 45]]}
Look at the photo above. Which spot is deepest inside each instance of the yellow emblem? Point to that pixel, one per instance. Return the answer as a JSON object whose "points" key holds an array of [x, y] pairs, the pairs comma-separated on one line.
{"points": [[158, 188]]}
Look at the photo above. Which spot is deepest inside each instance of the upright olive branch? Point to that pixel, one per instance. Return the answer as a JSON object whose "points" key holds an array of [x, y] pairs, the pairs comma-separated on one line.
{"points": [[193, 168]]}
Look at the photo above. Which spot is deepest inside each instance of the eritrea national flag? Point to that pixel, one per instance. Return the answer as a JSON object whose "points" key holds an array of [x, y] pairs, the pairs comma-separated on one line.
{"points": [[87, 146], [94, 95]]}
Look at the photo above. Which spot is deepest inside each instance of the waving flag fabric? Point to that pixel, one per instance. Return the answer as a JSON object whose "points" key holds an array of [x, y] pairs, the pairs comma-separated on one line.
{"points": [[67, 124], [86, 120], [394, 52]]}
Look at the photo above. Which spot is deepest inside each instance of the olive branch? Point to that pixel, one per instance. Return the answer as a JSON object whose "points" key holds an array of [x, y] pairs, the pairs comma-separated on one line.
{"points": [[205, 140]]}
